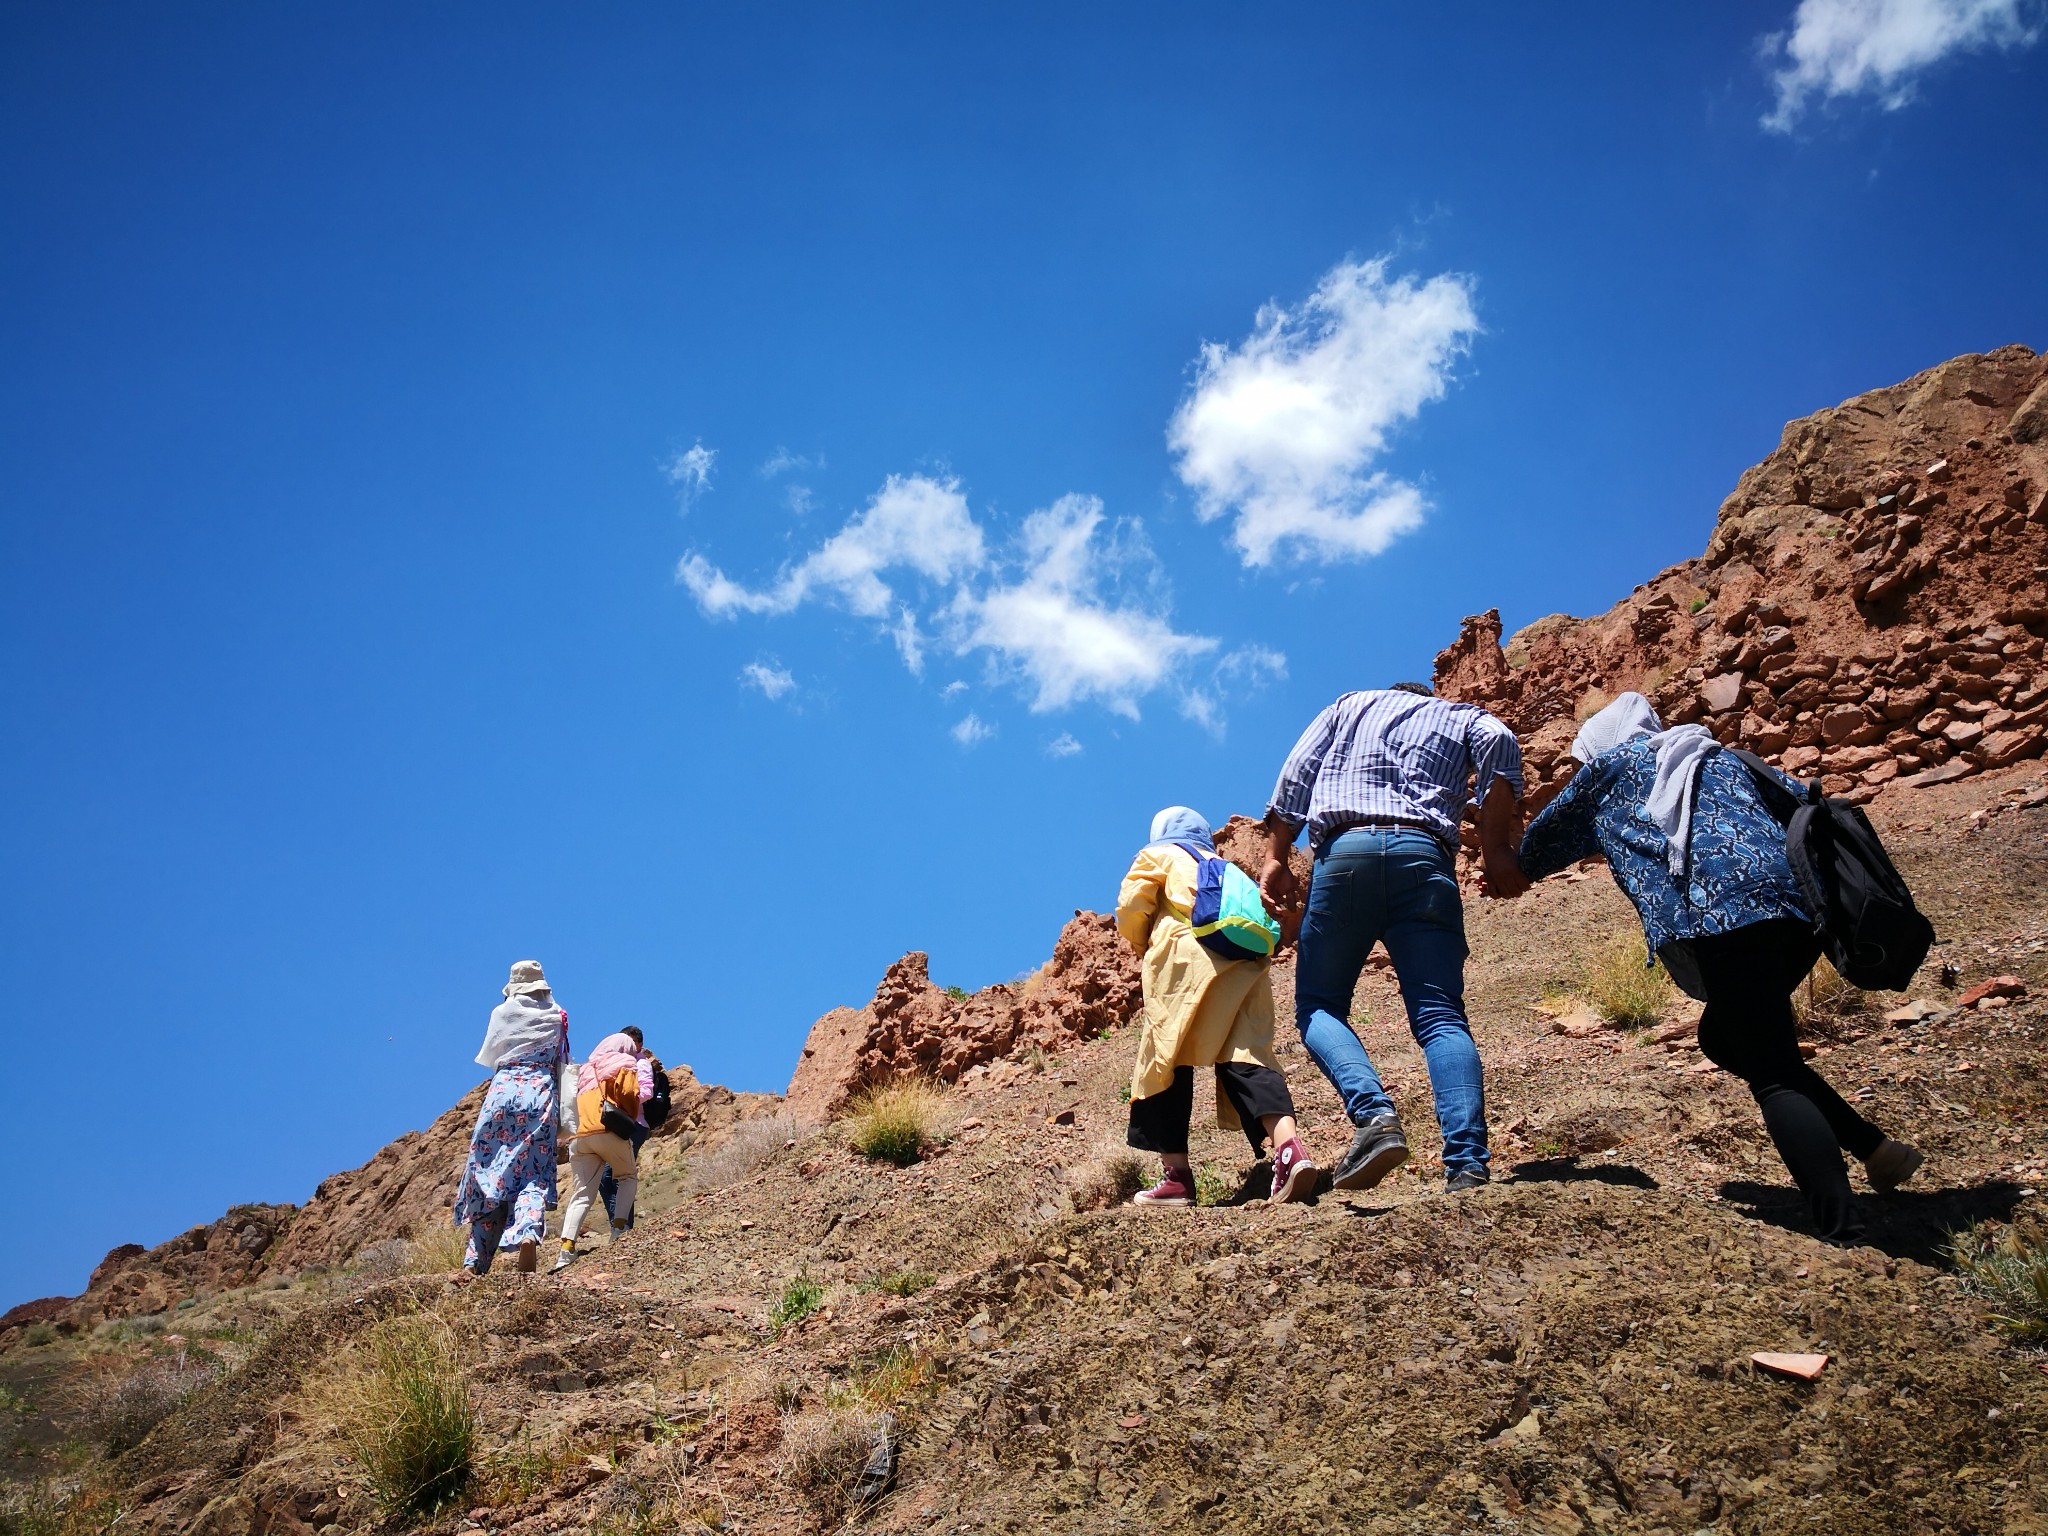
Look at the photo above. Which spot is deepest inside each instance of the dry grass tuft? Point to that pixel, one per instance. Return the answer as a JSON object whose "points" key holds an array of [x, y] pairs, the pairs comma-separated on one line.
{"points": [[434, 1252], [399, 1401], [751, 1144], [1622, 989], [1826, 1003], [837, 1460], [2009, 1269], [119, 1401], [1109, 1178], [898, 1121], [646, 1496]]}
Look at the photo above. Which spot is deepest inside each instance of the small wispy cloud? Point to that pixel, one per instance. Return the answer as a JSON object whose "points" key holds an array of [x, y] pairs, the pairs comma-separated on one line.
{"points": [[1281, 430], [772, 680], [690, 473], [953, 689], [783, 462], [914, 523], [1879, 48], [1063, 745], [972, 731]]}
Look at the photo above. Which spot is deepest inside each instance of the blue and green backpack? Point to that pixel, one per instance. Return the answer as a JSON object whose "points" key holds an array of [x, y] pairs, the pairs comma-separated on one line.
{"points": [[1228, 917]]}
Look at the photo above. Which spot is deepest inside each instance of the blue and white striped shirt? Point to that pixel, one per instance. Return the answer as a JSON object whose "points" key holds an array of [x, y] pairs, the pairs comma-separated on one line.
{"points": [[1398, 755]]}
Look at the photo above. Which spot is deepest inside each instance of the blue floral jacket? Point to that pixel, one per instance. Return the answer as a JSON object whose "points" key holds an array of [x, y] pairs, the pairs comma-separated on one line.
{"points": [[1737, 874]]}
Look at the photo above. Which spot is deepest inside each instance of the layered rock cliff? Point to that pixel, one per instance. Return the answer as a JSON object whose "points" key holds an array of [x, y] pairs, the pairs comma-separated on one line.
{"points": [[1871, 605]]}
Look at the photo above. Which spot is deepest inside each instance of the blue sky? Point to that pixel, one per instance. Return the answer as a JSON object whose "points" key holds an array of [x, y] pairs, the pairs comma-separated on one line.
{"points": [[714, 499]]}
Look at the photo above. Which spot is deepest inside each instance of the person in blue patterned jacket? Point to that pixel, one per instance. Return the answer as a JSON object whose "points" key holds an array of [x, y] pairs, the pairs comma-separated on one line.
{"points": [[1691, 843]]}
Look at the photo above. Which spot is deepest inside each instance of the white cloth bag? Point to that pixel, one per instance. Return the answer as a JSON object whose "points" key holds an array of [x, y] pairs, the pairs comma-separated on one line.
{"points": [[565, 1099]]}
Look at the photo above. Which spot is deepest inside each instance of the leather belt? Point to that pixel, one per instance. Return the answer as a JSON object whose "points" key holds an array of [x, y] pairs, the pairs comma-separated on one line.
{"points": [[1386, 824]]}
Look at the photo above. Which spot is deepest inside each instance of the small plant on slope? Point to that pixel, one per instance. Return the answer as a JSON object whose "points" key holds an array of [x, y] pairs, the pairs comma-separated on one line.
{"points": [[2009, 1269], [400, 1403], [1622, 989], [896, 1122], [800, 1298]]}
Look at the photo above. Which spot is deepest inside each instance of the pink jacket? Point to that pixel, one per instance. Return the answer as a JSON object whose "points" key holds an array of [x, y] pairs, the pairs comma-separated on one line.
{"points": [[608, 1056]]}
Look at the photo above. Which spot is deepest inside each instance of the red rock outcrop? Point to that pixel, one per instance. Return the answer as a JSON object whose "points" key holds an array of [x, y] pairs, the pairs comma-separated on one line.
{"points": [[1871, 605], [228, 1252], [913, 1028]]}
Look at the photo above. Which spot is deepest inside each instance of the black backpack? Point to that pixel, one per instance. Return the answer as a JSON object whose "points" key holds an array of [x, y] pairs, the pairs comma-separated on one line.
{"points": [[656, 1109], [1862, 912]]}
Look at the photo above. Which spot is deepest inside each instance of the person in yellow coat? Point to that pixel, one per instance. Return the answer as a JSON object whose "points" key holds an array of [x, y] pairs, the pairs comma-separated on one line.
{"points": [[1201, 1010]]}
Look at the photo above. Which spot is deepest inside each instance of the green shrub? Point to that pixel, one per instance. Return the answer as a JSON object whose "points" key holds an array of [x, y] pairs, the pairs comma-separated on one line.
{"points": [[400, 1402], [1211, 1187], [2009, 1269], [39, 1334], [800, 1298], [896, 1122]]}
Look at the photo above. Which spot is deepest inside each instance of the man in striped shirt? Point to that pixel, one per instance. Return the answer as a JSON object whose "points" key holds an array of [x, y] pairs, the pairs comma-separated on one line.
{"points": [[1381, 780]]}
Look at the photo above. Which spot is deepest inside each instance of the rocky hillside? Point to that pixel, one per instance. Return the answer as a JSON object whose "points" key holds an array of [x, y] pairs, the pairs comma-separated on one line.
{"points": [[1871, 605], [995, 1342], [406, 1191]]}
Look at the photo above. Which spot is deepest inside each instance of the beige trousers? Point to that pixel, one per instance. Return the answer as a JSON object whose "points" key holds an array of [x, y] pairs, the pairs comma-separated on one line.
{"points": [[589, 1156]]}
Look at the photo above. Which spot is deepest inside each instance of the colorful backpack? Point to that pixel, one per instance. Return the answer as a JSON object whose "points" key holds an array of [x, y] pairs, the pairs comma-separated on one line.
{"points": [[1228, 917]]}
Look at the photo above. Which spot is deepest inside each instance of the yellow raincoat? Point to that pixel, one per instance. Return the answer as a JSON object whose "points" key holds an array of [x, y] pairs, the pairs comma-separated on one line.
{"points": [[1200, 1009]]}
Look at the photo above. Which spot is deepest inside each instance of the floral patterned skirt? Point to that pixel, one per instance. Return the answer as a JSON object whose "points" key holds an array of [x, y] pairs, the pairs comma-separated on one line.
{"points": [[512, 1155]]}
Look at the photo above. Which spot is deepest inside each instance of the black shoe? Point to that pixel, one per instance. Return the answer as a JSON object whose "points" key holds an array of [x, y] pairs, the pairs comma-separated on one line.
{"points": [[1376, 1151], [1466, 1178]]}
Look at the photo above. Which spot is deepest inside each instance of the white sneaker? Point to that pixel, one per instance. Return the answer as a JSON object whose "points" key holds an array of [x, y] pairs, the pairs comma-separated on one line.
{"points": [[1891, 1165], [562, 1261]]}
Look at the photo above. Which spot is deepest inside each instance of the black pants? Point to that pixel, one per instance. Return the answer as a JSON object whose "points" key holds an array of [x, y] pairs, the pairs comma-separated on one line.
{"points": [[1748, 1029], [1160, 1123]]}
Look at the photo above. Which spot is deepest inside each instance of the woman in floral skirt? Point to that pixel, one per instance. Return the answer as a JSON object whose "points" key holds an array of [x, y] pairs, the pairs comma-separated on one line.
{"points": [[508, 1184]]}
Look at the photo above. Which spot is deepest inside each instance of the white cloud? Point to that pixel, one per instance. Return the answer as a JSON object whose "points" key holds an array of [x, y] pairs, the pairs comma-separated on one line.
{"points": [[1055, 630], [1250, 665], [1063, 745], [953, 689], [972, 731], [1876, 47], [913, 523], [783, 462], [1074, 611], [772, 680], [1282, 429], [690, 473]]}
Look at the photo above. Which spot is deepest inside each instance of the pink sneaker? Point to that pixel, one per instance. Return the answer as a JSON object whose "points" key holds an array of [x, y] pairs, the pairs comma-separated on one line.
{"points": [[1172, 1189], [1294, 1176]]}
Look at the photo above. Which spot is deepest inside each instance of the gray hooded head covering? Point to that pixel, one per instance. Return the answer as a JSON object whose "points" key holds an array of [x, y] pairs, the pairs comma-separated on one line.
{"points": [[1679, 752]]}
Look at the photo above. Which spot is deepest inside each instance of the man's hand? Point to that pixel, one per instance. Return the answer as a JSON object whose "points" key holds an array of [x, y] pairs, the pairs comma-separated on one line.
{"points": [[1501, 877], [1278, 883], [1280, 886], [1500, 837]]}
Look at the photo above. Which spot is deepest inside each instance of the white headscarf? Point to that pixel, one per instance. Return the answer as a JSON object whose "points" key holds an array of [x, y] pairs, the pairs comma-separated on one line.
{"points": [[522, 1025], [1679, 753]]}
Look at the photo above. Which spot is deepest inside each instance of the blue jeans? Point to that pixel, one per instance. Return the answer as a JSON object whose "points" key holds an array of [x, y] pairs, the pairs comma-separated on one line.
{"points": [[1396, 885]]}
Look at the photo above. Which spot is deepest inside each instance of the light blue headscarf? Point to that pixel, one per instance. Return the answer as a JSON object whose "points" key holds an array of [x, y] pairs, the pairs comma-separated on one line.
{"points": [[1178, 824]]}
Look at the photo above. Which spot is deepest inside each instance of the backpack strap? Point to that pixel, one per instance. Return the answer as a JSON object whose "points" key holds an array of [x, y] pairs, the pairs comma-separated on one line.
{"points": [[1778, 800]]}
